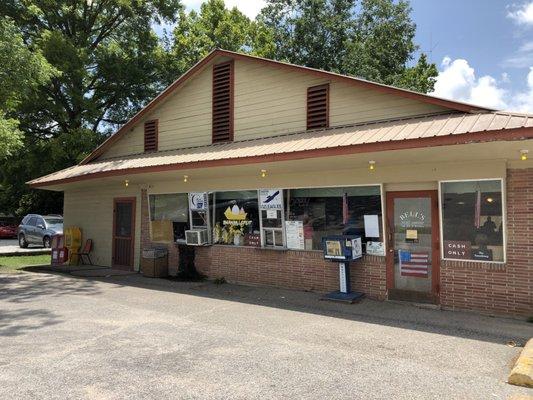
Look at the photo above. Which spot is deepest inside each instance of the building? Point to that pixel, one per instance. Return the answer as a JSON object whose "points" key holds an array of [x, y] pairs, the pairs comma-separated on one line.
{"points": [[440, 191]]}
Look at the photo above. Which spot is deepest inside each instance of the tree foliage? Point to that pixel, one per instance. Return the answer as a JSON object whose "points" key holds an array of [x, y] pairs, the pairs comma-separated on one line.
{"points": [[21, 72], [214, 26], [372, 39], [107, 57]]}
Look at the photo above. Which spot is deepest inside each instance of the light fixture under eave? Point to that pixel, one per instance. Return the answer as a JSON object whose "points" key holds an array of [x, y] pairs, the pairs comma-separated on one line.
{"points": [[126, 183], [263, 173], [490, 199], [371, 165], [523, 154], [185, 178]]}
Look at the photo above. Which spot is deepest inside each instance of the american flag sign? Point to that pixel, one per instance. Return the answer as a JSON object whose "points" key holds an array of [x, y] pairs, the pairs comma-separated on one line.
{"points": [[413, 264]]}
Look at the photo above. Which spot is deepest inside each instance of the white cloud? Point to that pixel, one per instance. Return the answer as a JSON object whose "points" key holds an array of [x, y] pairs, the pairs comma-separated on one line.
{"points": [[523, 58], [524, 101], [457, 81], [250, 8], [522, 14]]}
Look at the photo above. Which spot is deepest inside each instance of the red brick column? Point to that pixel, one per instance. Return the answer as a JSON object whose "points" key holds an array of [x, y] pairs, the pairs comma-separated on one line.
{"points": [[499, 288]]}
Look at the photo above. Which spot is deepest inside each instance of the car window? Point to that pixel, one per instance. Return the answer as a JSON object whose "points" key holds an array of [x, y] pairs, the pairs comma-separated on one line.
{"points": [[54, 221], [40, 221], [25, 220], [32, 221]]}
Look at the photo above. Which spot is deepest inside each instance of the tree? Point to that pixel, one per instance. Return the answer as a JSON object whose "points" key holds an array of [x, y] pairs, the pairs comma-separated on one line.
{"points": [[107, 57], [22, 71], [215, 26], [372, 39]]}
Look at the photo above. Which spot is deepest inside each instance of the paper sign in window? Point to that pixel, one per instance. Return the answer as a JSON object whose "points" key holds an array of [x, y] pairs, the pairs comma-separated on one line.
{"points": [[371, 226], [411, 234]]}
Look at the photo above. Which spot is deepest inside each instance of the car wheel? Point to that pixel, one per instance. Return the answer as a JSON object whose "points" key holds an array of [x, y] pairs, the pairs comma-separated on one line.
{"points": [[22, 241], [46, 242]]}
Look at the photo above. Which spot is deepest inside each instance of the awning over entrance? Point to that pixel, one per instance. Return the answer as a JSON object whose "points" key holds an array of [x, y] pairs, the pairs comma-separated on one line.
{"points": [[409, 133]]}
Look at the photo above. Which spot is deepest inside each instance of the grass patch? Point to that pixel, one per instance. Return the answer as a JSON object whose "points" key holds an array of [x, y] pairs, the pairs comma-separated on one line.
{"points": [[13, 264]]}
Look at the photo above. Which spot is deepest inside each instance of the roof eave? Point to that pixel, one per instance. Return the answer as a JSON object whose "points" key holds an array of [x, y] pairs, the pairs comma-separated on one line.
{"points": [[523, 133]]}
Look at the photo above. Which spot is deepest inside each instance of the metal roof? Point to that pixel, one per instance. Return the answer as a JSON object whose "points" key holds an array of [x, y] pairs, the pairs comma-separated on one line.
{"points": [[413, 132]]}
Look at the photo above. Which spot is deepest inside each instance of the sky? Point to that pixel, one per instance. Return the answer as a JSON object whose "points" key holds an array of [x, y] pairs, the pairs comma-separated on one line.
{"points": [[482, 48]]}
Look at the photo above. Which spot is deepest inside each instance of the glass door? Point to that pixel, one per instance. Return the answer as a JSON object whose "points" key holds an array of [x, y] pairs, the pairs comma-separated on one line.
{"points": [[413, 256]]}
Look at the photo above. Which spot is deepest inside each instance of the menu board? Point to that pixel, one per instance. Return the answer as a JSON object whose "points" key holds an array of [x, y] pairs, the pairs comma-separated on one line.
{"points": [[294, 230]]}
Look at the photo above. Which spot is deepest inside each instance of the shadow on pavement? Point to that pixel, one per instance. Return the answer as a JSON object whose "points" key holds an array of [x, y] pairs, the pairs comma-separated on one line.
{"points": [[451, 323], [16, 289], [407, 316], [18, 322]]}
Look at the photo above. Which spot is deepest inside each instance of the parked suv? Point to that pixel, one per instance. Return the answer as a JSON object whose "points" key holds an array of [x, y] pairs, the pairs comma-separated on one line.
{"points": [[39, 229]]}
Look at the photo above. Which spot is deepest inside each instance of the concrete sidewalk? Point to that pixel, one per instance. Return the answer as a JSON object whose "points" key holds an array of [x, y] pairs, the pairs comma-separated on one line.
{"points": [[129, 337]]}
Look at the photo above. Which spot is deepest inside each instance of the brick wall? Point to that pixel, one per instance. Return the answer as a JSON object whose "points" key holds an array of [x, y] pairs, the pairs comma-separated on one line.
{"points": [[303, 270], [485, 287], [499, 288]]}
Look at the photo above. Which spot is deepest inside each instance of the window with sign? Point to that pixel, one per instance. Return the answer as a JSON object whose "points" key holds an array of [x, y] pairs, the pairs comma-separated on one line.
{"points": [[318, 212], [472, 220], [271, 207], [169, 217], [236, 218]]}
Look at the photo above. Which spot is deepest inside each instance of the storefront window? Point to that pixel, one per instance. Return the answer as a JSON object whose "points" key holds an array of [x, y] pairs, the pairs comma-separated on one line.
{"points": [[169, 217], [335, 211], [472, 220], [236, 218]]}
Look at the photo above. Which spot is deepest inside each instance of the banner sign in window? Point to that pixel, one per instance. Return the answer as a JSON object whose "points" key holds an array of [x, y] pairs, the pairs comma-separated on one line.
{"points": [[270, 199], [198, 201]]}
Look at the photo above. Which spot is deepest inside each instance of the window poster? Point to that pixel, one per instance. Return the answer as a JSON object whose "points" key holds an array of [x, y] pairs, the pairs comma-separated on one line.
{"points": [[375, 248], [371, 226], [198, 201], [294, 231], [270, 199]]}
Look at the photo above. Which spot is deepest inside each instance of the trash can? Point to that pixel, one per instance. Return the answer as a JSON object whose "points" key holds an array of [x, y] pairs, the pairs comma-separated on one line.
{"points": [[154, 263]]}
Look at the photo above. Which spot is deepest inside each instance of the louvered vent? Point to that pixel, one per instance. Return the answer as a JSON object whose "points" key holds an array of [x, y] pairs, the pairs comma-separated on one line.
{"points": [[318, 107], [223, 102], [150, 135]]}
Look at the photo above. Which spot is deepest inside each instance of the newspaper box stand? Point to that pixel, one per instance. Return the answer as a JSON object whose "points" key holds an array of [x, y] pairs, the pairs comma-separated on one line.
{"points": [[343, 249], [72, 236], [59, 251]]}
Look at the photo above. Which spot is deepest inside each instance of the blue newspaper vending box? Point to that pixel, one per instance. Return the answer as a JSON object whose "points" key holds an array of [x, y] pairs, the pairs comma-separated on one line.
{"points": [[343, 249]]}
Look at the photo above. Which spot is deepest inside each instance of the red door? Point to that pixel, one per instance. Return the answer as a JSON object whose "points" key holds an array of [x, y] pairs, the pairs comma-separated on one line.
{"points": [[123, 233], [413, 256]]}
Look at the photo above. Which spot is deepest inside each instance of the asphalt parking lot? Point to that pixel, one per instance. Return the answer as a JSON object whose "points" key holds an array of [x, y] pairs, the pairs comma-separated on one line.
{"points": [[11, 247], [134, 338]]}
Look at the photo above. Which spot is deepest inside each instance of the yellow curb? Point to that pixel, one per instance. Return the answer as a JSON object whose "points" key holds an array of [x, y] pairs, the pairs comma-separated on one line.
{"points": [[522, 372]]}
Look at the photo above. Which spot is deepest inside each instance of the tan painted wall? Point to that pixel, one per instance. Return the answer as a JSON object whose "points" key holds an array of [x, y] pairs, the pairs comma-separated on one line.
{"points": [[91, 209], [268, 101]]}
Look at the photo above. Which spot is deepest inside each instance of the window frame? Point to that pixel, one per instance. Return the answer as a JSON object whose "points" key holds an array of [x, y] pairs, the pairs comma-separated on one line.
{"points": [[504, 219], [148, 194], [214, 191]]}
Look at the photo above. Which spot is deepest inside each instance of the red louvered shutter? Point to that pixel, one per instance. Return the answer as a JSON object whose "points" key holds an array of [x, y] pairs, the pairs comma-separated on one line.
{"points": [[150, 135], [318, 107], [223, 102]]}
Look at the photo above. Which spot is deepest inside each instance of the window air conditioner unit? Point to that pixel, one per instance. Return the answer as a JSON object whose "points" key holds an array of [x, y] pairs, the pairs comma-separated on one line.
{"points": [[196, 237]]}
